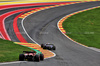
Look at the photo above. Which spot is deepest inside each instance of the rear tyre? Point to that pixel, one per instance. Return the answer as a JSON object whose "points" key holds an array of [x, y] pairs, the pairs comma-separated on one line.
{"points": [[21, 57], [41, 57], [54, 48], [49, 48], [42, 45], [37, 58]]}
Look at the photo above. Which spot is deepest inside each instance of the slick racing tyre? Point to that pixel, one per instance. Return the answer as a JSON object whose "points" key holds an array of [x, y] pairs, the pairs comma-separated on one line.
{"points": [[37, 58], [42, 45], [54, 48], [21, 57], [41, 57]]}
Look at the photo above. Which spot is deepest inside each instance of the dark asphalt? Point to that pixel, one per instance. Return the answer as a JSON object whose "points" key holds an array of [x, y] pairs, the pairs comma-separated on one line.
{"points": [[17, 8], [42, 27], [9, 22]]}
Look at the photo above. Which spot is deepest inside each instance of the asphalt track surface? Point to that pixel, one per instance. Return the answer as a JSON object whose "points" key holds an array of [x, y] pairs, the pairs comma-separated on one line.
{"points": [[42, 27], [10, 19]]}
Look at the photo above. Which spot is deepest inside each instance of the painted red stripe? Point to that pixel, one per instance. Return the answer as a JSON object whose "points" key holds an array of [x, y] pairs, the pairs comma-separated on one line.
{"points": [[15, 26], [4, 16], [17, 32], [32, 4]]}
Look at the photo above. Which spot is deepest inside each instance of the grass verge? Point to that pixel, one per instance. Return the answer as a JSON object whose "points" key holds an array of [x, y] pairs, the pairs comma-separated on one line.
{"points": [[10, 51], [84, 27]]}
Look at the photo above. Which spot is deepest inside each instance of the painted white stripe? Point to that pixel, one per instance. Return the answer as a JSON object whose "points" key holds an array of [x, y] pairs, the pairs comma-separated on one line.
{"points": [[12, 62], [4, 26], [32, 40], [2, 36], [29, 36]]}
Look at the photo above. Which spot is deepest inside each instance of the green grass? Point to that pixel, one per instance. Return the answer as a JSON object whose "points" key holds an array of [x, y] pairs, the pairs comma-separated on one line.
{"points": [[10, 51], [84, 27]]}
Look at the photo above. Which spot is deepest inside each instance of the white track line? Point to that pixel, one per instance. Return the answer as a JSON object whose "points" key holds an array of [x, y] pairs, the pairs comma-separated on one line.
{"points": [[95, 49], [2, 37], [5, 28], [29, 36], [32, 40], [36, 12], [5, 63]]}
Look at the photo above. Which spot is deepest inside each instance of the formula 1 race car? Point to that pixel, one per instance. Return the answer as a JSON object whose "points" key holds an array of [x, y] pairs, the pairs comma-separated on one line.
{"points": [[31, 56], [48, 46]]}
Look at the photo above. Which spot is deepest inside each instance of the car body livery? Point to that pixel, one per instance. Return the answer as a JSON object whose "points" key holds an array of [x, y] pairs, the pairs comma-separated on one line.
{"points": [[31, 56], [48, 46]]}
